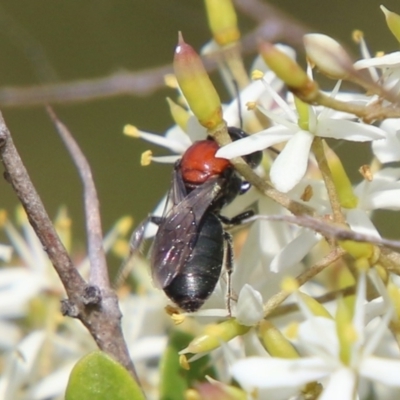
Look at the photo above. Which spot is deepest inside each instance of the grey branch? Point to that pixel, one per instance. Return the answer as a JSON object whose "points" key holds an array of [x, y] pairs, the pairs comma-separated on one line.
{"points": [[273, 26], [96, 306]]}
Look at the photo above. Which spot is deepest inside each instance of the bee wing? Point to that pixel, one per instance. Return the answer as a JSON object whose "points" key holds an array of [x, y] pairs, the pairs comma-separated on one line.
{"points": [[177, 234], [178, 190], [176, 193]]}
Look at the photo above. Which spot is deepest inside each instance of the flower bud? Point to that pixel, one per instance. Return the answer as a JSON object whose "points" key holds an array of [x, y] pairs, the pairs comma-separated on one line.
{"points": [[214, 335], [328, 55], [183, 362], [358, 250], [222, 21], [394, 294], [345, 330], [342, 183], [314, 306], [393, 22], [303, 111], [196, 86], [179, 114], [275, 343], [288, 70]]}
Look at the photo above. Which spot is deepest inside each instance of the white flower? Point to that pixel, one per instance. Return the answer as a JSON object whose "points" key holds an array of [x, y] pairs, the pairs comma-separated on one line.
{"points": [[390, 66], [338, 362], [383, 192], [66, 339], [388, 149], [291, 164]]}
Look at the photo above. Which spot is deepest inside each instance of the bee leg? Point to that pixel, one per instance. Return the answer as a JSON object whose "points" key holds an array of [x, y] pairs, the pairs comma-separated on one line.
{"points": [[229, 269], [229, 260], [135, 243], [137, 237], [238, 219]]}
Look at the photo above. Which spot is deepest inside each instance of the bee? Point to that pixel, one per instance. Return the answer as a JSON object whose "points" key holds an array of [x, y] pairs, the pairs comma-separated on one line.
{"points": [[192, 243]]}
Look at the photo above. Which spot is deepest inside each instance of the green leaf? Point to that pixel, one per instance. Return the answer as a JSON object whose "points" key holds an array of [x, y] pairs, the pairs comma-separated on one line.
{"points": [[98, 377], [174, 380]]}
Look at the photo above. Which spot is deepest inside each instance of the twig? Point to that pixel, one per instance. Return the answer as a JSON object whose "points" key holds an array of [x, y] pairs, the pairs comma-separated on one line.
{"points": [[98, 265], [17, 176], [289, 308], [368, 113], [327, 229], [304, 277], [97, 308], [275, 26]]}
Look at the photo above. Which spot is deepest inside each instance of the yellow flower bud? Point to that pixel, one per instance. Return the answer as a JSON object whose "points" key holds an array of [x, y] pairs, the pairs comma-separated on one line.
{"points": [[303, 110], [358, 250], [179, 114], [222, 20], [342, 183], [394, 294], [393, 22], [184, 362], [214, 335], [288, 70], [315, 307], [275, 343], [345, 330], [196, 86]]}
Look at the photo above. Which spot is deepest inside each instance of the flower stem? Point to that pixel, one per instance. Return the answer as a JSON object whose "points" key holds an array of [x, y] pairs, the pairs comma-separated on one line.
{"points": [[304, 277], [319, 153]]}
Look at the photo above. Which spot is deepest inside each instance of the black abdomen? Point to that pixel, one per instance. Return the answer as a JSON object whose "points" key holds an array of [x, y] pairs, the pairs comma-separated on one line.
{"points": [[198, 278]]}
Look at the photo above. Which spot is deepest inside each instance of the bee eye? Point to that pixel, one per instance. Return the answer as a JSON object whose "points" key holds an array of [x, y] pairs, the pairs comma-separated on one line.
{"points": [[253, 159]]}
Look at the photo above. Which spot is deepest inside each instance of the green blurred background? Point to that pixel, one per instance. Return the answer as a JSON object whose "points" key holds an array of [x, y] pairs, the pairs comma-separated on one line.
{"points": [[94, 38]]}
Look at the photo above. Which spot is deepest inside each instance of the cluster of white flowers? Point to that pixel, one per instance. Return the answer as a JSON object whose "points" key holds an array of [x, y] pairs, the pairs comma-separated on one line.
{"points": [[360, 357], [39, 354]]}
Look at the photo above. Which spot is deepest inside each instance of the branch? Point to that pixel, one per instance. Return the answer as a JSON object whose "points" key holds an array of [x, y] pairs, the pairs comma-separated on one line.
{"points": [[97, 308], [327, 229], [304, 277], [17, 176], [98, 265], [274, 26]]}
